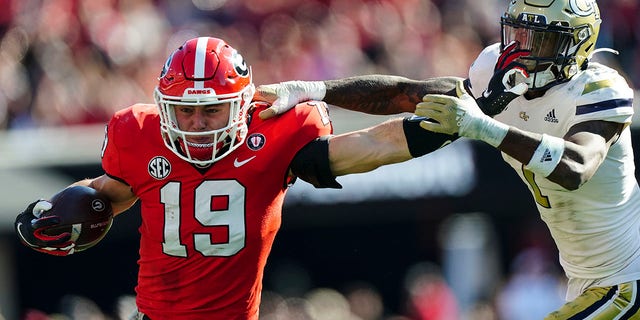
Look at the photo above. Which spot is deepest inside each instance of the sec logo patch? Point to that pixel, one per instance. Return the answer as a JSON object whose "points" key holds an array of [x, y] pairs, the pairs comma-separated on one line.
{"points": [[159, 168]]}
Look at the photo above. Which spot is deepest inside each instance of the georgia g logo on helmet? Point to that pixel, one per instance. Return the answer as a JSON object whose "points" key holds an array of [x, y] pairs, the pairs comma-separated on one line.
{"points": [[167, 65], [239, 64], [582, 8]]}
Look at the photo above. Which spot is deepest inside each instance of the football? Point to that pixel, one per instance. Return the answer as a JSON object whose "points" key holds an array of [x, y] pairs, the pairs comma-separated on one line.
{"points": [[84, 213]]}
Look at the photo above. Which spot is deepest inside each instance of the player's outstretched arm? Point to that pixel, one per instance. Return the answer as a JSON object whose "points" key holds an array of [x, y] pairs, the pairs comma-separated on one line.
{"points": [[569, 161], [384, 94], [373, 94], [367, 149], [393, 141]]}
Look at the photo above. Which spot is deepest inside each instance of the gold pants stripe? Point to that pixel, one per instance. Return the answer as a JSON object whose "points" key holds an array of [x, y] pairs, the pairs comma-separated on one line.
{"points": [[619, 302]]}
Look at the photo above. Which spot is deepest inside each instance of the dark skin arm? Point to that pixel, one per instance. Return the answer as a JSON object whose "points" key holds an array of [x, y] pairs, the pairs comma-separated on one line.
{"points": [[384, 94], [372, 94], [586, 145]]}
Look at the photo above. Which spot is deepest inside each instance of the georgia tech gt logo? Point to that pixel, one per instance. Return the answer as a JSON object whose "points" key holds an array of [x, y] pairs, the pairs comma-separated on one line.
{"points": [[582, 8]]}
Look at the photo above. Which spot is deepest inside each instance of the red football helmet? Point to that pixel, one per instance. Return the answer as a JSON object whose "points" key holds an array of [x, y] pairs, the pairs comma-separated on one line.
{"points": [[204, 71]]}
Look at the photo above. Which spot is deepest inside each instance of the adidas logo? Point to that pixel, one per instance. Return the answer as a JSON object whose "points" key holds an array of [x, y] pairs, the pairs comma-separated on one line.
{"points": [[546, 156], [551, 116]]}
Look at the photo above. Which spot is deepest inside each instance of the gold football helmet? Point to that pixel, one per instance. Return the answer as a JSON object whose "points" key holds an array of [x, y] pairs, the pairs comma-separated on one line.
{"points": [[560, 35]]}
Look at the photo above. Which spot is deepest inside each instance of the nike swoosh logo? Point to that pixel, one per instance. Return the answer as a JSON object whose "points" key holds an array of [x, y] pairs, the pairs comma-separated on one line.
{"points": [[239, 164], [19, 228]]}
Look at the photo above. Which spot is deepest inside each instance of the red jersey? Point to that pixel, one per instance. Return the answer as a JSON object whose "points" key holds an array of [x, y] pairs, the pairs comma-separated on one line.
{"points": [[206, 233]]}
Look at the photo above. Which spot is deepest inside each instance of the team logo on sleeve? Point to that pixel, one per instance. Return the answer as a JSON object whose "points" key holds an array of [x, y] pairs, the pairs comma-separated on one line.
{"points": [[159, 168], [256, 141]]}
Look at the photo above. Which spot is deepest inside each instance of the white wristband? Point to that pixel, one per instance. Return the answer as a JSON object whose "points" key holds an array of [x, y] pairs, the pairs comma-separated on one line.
{"points": [[547, 156]]}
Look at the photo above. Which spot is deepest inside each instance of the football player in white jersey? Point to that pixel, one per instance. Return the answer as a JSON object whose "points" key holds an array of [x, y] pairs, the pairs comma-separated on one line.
{"points": [[560, 120]]}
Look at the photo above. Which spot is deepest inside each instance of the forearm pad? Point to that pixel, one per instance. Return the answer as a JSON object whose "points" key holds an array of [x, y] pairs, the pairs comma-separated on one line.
{"points": [[421, 141]]}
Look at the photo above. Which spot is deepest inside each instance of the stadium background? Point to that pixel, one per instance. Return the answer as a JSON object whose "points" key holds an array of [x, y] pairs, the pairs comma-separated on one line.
{"points": [[452, 231]]}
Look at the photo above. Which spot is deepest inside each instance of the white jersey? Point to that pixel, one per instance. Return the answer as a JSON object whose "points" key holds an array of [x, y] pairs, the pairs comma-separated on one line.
{"points": [[597, 227]]}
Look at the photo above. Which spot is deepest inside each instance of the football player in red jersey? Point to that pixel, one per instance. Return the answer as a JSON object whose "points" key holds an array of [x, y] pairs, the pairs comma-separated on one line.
{"points": [[211, 179]]}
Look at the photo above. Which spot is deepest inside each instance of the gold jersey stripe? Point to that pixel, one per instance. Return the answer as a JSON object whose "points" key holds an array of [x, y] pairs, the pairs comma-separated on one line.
{"points": [[593, 86]]}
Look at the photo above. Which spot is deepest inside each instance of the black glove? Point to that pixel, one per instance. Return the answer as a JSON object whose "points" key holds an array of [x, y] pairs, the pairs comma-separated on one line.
{"points": [[507, 83], [31, 227]]}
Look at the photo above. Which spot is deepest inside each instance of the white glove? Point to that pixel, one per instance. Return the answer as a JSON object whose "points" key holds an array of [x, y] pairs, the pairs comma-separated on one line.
{"points": [[285, 95], [460, 115]]}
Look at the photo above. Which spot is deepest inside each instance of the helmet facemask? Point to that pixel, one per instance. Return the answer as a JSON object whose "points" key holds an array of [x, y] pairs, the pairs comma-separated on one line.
{"points": [[222, 141]]}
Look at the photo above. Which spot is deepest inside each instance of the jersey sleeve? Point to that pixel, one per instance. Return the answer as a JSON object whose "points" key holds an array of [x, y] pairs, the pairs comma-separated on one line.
{"points": [[605, 96], [110, 151], [122, 137], [305, 123], [481, 69], [311, 120]]}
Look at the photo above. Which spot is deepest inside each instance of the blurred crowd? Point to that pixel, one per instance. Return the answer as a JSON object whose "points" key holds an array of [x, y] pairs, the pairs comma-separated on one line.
{"points": [[68, 62]]}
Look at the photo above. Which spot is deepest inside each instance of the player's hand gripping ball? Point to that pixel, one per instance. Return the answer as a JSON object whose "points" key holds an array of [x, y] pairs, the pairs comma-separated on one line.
{"points": [[74, 220], [84, 213]]}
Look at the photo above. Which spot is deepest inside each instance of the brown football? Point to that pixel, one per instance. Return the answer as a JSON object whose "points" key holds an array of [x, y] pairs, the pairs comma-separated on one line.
{"points": [[84, 213]]}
